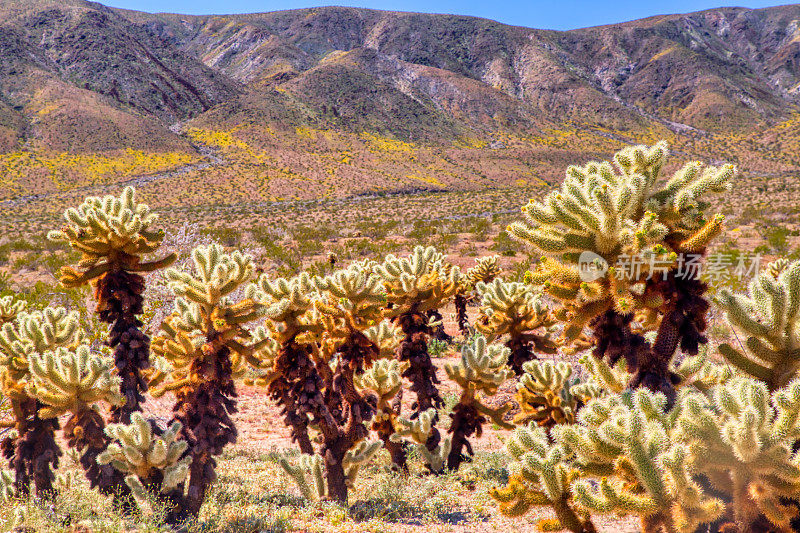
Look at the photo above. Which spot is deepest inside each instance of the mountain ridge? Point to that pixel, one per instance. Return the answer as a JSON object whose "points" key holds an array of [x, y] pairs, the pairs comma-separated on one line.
{"points": [[82, 80]]}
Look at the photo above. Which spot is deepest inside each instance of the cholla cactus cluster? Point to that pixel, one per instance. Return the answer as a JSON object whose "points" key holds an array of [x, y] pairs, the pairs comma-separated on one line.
{"points": [[685, 444], [113, 235], [154, 463], [32, 450], [481, 370], [417, 432], [769, 318], [517, 310], [415, 285]]}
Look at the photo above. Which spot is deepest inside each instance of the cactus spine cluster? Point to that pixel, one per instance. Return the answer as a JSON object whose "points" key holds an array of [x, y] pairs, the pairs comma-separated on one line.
{"points": [[631, 229], [481, 370], [769, 318], [32, 450], [517, 310], [113, 235]]}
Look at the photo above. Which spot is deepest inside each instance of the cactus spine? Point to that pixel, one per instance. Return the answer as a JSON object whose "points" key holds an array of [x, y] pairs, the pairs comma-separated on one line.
{"points": [[113, 234], [630, 228], [32, 450], [481, 370]]}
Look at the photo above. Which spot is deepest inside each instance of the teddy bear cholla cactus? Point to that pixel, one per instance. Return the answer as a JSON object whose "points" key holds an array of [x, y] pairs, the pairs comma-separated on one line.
{"points": [[419, 430], [205, 340], [544, 394], [385, 380], [313, 467], [485, 270], [539, 475], [10, 307], [634, 227], [333, 350], [481, 370], [769, 317], [113, 235], [77, 382], [154, 463], [516, 310], [32, 450], [415, 285]]}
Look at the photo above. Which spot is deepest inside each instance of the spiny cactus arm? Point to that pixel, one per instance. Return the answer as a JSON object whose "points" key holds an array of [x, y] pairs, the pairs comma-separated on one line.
{"points": [[69, 381], [357, 456], [10, 307], [305, 465], [137, 450], [7, 490], [541, 475], [544, 394], [769, 317], [418, 429]]}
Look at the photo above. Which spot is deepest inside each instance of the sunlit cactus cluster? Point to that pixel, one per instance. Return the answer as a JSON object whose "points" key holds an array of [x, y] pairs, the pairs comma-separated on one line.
{"points": [[602, 384]]}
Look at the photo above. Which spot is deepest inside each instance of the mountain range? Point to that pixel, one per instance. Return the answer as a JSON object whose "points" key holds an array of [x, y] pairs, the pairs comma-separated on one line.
{"points": [[89, 85]]}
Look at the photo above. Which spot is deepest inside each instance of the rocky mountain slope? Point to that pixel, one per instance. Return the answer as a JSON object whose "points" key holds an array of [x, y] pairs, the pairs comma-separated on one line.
{"points": [[77, 77]]}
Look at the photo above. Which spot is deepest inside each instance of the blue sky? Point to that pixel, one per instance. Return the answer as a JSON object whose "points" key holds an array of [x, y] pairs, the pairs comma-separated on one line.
{"points": [[550, 14]]}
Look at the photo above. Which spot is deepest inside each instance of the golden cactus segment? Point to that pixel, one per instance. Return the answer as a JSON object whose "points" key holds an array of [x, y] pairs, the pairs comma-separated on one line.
{"points": [[540, 475], [485, 270], [769, 318], [136, 450], [482, 366], [511, 308], [67, 381], [10, 307], [419, 429], [384, 378], [110, 232]]}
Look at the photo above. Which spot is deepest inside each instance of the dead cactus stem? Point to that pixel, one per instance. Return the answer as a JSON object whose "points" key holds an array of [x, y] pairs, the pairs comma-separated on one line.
{"points": [[204, 409], [421, 372], [34, 453], [119, 301]]}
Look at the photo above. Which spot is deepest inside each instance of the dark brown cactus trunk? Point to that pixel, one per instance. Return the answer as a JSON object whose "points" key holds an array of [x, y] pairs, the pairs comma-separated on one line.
{"points": [[397, 450], [438, 332], [461, 314], [466, 421], [521, 353], [205, 410], [34, 453], [84, 432], [297, 390], [119, 301], [339, 437], [421, 372]]}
